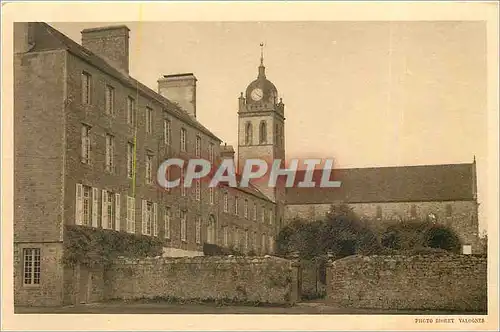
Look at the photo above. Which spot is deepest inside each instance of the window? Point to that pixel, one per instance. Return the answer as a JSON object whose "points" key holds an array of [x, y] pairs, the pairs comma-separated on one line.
{"points": [[108, 210], [211, 230], [130, 214], [86, 144], [167, 176], [236, 237], [245, 208], [198, 146], [248, 133], [87, 206], [236, 205], [31, 266], [379, 212], [149, 120], [226, 202], [149, 169], [181, 183], [271, 244], [246, 240], [254, 241], [276, 134], [197, 190], [467, 249], [263, 132], [86, 88], [449, 210], [263, 243], [271, 216], [110, 100], [212, 195], [413, 211], [198, 230], [130, 160], [183, 140], [183, 226], [167, 131], [110, 153], [263, 216], [149, 220], [166, 220], [131, 111], [226, 236], [211, 152], [254, 211]]}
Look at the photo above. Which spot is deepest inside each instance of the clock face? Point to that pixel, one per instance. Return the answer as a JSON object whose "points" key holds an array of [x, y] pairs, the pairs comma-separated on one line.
{"points": [[257, 94]]}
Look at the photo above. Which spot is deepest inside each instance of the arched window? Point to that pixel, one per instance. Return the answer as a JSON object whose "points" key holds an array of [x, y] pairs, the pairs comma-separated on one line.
{"points": [[211, 230], [276, 134], [248, 133], [263, 132]]}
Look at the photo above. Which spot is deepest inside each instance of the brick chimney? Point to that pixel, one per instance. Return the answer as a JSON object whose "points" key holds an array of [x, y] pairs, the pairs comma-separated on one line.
{"points": [[180, 89], [24, 37], [110, 43], [226, 152]]}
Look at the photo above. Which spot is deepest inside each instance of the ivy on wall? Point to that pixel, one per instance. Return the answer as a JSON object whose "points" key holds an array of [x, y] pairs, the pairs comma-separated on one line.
{"points": [[95, 247]]}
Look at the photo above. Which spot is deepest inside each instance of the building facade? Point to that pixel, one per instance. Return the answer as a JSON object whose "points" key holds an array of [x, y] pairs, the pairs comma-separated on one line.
{"points": [[88, 142], [443, 194]]}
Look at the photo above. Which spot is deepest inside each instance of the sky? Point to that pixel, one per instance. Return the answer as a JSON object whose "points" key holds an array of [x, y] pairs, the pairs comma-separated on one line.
{"points": [[363, 93]]}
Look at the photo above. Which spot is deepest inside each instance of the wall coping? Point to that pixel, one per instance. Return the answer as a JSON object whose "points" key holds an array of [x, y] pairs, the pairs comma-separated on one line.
{"points": [[427, 257], [201, 260]]}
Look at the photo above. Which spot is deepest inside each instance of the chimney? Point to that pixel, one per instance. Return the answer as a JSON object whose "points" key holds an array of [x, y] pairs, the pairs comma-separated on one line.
{"points": [[23, 37], [180, 89], [226, 152], [110, 43]]}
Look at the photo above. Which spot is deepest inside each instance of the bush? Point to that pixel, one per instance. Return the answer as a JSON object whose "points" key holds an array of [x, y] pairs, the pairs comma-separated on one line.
{"points": [[98, 247], [341, 233], [410, 235]]}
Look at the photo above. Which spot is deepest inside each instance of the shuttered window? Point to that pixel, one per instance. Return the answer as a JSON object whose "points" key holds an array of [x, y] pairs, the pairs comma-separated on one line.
{"points": [[130, 214]]}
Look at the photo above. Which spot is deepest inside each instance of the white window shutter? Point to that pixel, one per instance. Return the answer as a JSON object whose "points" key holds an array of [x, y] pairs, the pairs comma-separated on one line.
{"points": [[95, 206], [79, 204], [117, 212], [155, 219], [144, 221], [104, 212]]}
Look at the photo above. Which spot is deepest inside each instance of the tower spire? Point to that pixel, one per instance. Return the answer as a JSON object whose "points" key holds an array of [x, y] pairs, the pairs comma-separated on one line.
{"points": [[262, 54], [262, 69]]}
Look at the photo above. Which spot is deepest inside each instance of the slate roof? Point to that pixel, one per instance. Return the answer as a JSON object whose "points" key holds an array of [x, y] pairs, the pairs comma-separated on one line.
{"points": [[390, 184], [60, 41]]}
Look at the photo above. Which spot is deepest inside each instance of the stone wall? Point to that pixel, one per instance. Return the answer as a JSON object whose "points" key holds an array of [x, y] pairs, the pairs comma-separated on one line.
{"points": [[263, 279], [437, 282]]}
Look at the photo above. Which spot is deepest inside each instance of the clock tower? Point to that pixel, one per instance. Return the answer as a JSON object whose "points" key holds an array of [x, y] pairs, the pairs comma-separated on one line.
{"points": [[261, 129]]}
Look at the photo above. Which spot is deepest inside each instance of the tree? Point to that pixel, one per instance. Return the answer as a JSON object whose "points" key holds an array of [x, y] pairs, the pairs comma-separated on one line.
{"points": [[414, 235], [341, 233]]}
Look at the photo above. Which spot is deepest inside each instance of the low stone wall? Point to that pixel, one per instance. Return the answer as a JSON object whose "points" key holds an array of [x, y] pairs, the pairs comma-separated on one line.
{"points": [[448, 282], [240, 279]]}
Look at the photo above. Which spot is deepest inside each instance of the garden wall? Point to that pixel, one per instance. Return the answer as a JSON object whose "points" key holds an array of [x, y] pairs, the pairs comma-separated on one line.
{"points": [[447, 282], [269, 280]]}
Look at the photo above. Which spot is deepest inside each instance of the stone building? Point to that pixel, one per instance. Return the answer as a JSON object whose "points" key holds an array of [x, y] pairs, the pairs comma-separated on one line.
{"points": [[88, 142], [444, 194]]}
